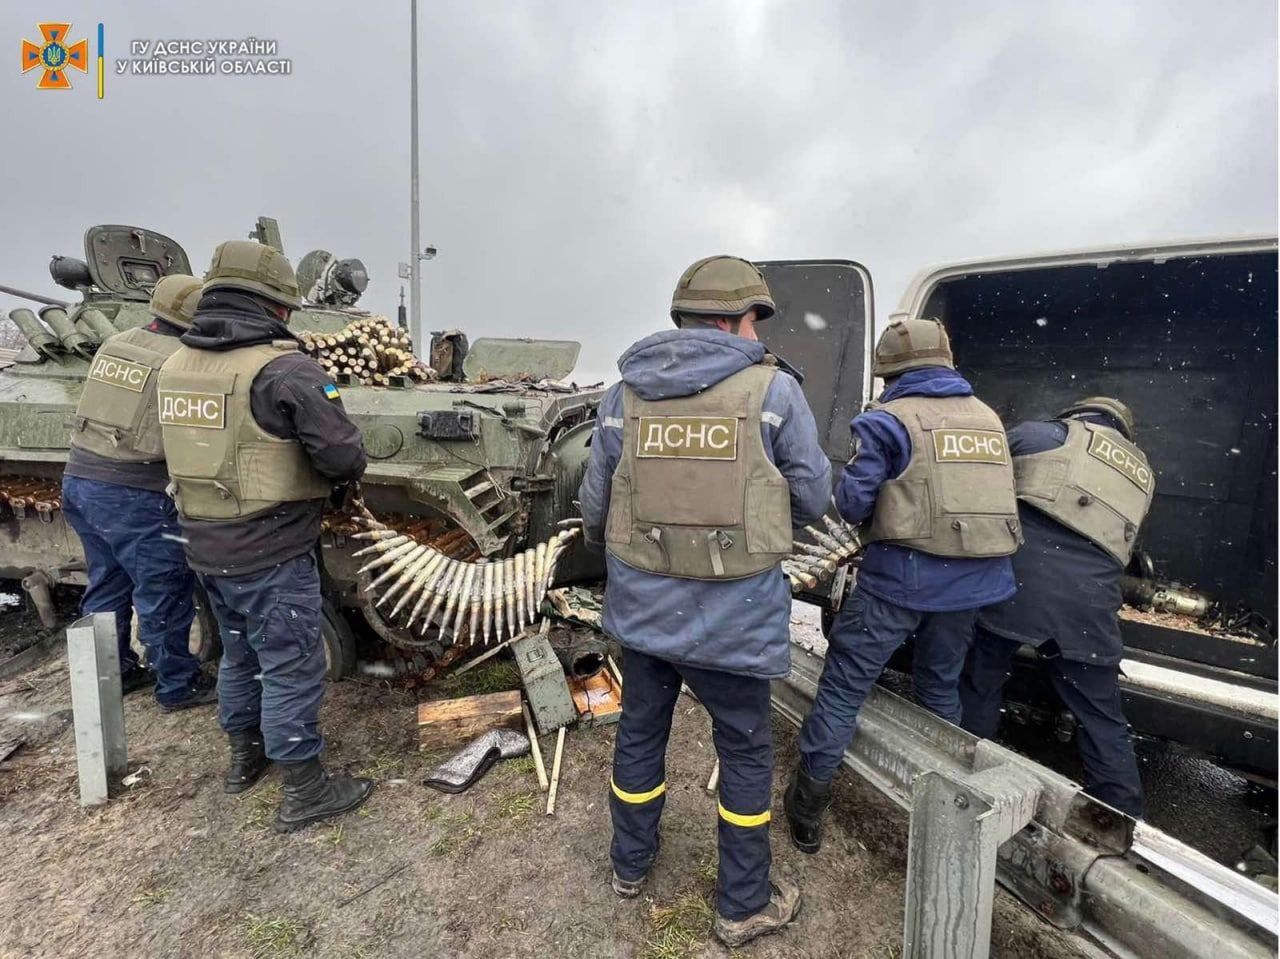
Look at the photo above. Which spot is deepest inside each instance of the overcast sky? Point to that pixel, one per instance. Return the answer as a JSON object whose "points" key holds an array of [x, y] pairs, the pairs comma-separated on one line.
{"points": [[576, 157]]}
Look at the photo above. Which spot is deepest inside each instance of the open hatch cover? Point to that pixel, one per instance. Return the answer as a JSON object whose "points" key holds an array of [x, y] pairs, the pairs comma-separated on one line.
{"points": [[823, 329]]}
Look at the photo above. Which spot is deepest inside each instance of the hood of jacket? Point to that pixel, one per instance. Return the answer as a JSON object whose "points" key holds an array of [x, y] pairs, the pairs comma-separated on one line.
{"points": [[677, 363], [228, 320], [926, 381]]}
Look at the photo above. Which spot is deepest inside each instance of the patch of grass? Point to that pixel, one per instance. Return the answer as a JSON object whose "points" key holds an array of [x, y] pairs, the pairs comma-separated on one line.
{"points": [[151, 893], [493, 677], [514, 805], [260, 807], [680, 927], [275, 936], [669, 944], [520, 766], [334, 836], [431, 812], [382, 765], [707, 869], [454, 831]]}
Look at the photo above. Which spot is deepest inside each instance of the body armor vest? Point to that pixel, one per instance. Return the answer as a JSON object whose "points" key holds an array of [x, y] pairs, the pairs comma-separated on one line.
{"points": [[225, 466], [1097, 483], [956, 495], [695, 494], [117, 416]]}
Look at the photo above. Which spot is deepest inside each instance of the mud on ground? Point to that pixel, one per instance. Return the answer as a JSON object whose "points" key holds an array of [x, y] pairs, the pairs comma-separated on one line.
{"points": [[173, 867]]}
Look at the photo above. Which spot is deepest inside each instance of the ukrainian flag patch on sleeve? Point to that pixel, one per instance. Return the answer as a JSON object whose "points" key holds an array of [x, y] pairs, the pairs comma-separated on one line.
{"points": [[330, 391]]}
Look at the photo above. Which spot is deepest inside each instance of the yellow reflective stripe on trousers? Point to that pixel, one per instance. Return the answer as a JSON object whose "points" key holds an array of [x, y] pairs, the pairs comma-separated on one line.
{"points": [[759, 819], [625, 796]]}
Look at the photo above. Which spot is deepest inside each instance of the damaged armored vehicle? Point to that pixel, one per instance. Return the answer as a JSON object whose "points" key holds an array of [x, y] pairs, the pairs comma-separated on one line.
{"points": [[479, 454]]}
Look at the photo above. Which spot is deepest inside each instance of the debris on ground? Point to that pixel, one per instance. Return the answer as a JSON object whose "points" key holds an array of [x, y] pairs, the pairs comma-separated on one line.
{"points": [[544, 681], [466, 767], [1180, 621], [180, 868], [447, 723], [597, 698], [577, 604]]}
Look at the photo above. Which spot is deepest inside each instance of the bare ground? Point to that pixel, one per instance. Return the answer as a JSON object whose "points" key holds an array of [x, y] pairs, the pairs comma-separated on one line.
{"points": [[173, 867]]}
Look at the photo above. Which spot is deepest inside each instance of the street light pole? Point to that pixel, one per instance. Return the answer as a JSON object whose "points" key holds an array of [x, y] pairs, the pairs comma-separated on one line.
{"points": [[415, 239]]}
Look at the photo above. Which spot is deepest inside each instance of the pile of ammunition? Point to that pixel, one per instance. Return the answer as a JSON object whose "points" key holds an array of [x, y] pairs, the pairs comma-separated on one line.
{"points": [[811, 563], [371, 351], [21, 493], [486, 598]]}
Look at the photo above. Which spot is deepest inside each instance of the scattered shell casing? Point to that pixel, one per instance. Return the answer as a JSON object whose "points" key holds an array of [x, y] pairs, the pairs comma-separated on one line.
{"points": [[458, 601], [802, 547], [432, 594], [841, 532], [452, 595], [829, 542], [382, 545], [486, 600], [398, 567], [419, 581], [509, 595], [499, 578], [473, 627], [442, 592], [530, 584], [517, 594], [374, 534], [426, 590], [409, 575], [389, 556], [540, 572]]}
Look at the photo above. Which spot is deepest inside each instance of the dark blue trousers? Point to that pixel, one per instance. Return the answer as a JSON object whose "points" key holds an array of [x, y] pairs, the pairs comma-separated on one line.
{"points": [[133, 551], [867, 631], [1092, 693], [743, 737], [273, 668]]}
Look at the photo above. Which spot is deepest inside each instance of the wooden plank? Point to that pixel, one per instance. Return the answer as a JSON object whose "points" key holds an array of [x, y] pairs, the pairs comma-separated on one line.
{"points": [[455, 722]]}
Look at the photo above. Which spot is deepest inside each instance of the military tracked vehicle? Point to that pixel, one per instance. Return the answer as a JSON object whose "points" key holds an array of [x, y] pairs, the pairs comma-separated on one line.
{"points": [[481, 460]]}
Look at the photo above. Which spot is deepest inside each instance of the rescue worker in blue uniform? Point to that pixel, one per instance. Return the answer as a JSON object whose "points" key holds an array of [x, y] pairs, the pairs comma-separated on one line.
{"points": [[113, 495], [1084, 489], [257, 439], [931, 485], [703, 458]]}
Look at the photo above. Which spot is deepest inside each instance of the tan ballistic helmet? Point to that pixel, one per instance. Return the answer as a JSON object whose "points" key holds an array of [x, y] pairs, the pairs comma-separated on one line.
{"points": [[175, 299], [911, 344], [255, 268], [721, 286], [1103, 404]]}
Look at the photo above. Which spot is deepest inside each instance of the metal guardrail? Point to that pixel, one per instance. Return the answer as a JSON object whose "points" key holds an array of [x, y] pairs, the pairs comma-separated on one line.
{"points": [[982, 814]]}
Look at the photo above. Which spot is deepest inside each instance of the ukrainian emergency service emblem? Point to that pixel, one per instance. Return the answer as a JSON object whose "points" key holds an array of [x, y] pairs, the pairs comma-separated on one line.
{"points": [[54, 57]]}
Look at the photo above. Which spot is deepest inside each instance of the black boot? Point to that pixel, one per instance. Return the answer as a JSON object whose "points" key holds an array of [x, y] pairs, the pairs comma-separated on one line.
{"points": [[248, 761], [311, 794], [806, 802]]}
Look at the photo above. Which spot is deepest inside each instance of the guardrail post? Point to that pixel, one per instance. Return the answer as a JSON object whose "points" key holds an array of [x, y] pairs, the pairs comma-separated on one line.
{"points": [[957, 826], [97, 705]]}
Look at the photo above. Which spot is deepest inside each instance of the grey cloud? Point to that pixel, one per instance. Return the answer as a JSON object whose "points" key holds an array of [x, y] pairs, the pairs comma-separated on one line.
{"points": [[576, 158]]}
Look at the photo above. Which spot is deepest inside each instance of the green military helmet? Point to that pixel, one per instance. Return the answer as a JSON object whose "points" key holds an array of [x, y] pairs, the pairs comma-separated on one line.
{"points": [[254, 268], [1103, 404], [175, 299], [722, 286], [911, 344]]}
